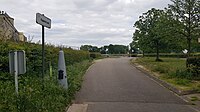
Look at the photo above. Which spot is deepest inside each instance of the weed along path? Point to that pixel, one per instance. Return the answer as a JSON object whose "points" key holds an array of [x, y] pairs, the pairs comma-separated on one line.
{"points": [[114, 85]]}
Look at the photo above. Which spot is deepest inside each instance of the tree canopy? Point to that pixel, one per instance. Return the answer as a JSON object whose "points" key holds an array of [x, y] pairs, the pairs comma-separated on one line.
{"points": [[151, 31], [172, 29], [187, 15], [111, 49]]}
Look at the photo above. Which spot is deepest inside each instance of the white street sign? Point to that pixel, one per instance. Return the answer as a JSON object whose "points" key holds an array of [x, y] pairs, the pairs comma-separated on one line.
{"points": [[43, 20], [199, 40]]}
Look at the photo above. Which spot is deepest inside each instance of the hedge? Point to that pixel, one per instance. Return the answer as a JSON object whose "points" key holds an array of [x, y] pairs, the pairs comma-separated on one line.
{"points": [[95, 55], [40, 95], [133, 55], [193, 65], [37, 94], [34, 55]]}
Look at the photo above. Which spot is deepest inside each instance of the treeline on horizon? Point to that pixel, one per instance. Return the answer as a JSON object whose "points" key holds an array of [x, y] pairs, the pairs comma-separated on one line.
{"points": [[107, 49]]}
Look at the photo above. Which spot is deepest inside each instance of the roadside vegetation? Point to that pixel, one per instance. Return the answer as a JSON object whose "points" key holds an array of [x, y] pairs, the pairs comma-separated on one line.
{"points": [[37, 94], [107, 49], [171, 70], [173, 29]]}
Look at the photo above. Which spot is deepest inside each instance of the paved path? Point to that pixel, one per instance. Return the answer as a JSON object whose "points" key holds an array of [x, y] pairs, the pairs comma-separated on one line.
{"points": [[113, 85]]}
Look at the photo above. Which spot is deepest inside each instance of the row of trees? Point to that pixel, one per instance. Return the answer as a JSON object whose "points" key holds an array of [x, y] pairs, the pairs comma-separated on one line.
{"points": [[111, 49], [173, 29]]}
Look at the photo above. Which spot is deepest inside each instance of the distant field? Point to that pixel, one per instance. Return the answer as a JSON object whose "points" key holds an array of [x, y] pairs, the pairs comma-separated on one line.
{"points": [[167, 70]]}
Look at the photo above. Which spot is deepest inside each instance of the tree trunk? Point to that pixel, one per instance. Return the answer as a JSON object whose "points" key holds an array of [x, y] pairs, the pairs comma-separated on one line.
{"points": [[157, 52], [189, 47], [143, 53], [189, 31]]}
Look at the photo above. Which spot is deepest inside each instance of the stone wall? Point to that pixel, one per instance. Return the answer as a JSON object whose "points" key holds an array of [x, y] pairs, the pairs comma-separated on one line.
{"points": [[7, 29]]}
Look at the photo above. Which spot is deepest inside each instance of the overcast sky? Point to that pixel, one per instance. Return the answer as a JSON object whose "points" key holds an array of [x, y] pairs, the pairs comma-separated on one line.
{"points": [[79, 22]]}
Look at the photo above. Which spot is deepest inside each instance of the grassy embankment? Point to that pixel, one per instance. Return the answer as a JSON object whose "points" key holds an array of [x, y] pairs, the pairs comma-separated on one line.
{"points": [[171, 70]]}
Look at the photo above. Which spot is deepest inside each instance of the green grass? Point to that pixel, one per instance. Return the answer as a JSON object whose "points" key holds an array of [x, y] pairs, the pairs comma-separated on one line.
{"points": [[172, 70], [167, 66], [34, 97], [194, 98]]}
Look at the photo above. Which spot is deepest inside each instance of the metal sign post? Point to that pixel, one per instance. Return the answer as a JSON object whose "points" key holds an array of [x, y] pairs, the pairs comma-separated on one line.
{"points": [[45, 22], [17, 65], [16, 72], [43, 52]]}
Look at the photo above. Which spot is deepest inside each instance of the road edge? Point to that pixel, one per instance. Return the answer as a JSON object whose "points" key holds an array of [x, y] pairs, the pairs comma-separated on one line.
{"points": [[73, 107]]}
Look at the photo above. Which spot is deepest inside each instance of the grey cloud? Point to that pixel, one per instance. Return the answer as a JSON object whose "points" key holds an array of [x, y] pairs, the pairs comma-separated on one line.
{"points": [[77, 22]]}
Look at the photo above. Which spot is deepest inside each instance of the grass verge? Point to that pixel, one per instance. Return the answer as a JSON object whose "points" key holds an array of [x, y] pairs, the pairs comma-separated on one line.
{"points": [[171, 70], [37, 95]]}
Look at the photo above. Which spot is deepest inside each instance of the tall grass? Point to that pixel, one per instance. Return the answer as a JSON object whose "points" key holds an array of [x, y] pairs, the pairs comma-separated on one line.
{"points": [[172, 70], [37, 95]]}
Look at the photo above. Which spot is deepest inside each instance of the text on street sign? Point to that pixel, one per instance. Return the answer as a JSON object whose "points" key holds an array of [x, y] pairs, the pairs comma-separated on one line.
{"points": [[43, 20]]}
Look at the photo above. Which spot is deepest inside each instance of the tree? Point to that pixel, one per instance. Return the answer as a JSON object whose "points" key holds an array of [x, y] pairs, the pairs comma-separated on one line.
{"points": [[133, 48], [85, 47], [150, 34], [187, 15], [114, 49], [117, 49], [104, 50], [89, 48]]}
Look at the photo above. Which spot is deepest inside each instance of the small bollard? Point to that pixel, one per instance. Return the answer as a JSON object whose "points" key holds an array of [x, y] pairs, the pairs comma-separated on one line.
{"points": [[62, 74]]}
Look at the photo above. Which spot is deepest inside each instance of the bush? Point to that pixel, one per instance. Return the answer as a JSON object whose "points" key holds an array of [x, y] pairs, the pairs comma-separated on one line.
{"points": [[95, 55], [193, 66], [183, 74], [34, 55], [133, 55], [161, 69], [38, 95], [184, 82]]}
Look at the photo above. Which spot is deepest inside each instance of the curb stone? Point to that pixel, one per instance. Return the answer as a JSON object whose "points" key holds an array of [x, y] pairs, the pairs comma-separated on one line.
{"points": [[77, 108]]}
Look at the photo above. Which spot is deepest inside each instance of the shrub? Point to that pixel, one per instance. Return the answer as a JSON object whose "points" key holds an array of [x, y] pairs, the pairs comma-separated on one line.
{"points": [[184, 74], [36, 94], [40, 95], [133, 55], [161, 69], [184, 82], [34, 55], [193, 66], [95, 55]]}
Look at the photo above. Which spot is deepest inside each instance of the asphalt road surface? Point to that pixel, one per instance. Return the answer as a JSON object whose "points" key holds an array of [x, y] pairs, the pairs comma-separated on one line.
{"points": [[114, 85]]}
